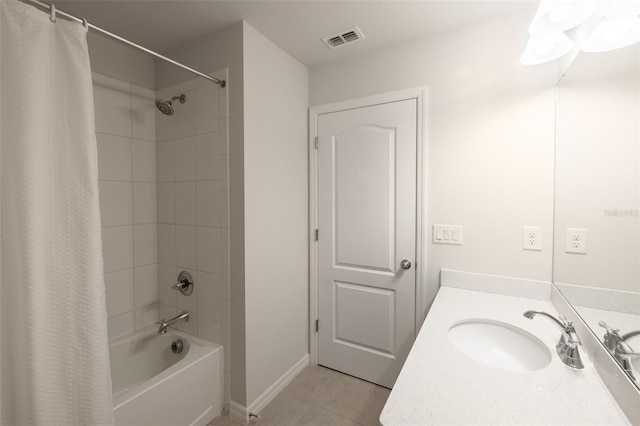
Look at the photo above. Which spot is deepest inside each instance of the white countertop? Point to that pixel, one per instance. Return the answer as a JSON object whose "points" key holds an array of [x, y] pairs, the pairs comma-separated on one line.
{"points": [[440, 385]]}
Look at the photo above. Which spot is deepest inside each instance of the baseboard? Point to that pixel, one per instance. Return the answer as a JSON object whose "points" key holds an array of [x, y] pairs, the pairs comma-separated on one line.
{"points": [[240, 413], [272, 391]]}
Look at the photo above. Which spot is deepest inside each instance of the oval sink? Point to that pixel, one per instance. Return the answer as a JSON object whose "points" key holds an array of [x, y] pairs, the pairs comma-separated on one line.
{"points": [[499, 345]]}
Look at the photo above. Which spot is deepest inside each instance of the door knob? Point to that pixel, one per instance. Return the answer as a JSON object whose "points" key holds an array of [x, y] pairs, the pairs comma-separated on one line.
{"points": [[405, 264]]}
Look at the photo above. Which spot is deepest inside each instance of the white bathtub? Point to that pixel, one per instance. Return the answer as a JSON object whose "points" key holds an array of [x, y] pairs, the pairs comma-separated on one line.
{"points": [[153, 386]]}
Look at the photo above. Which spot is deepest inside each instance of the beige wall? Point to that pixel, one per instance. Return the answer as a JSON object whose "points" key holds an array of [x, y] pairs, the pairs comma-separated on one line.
{"points": [[276, 211], [490, 133]]}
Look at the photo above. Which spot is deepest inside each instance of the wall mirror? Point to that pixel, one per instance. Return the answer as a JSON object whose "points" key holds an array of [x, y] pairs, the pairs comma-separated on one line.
{"points": [[596, 261]]}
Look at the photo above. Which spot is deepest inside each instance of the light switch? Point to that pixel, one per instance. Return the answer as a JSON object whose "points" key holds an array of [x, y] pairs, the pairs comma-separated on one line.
{"points": [[447, 234]]}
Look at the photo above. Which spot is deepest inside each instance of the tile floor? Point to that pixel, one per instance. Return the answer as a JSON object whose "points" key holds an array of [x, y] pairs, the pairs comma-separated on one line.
{"points": [[319, 396]]}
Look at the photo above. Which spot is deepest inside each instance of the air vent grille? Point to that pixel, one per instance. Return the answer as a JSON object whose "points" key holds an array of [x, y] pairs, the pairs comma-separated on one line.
{"points": [[343, 37]]}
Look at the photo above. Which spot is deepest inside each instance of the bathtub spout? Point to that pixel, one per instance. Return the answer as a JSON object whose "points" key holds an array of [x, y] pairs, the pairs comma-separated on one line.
{"points": [[164, 324]]}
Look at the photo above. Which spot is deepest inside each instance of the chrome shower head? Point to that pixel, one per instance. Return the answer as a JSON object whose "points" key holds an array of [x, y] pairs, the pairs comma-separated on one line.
{"points": [[166, 106]]}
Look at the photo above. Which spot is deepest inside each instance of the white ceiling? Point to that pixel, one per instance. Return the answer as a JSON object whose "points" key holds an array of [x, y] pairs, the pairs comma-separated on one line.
{"points": [[295, 26]]}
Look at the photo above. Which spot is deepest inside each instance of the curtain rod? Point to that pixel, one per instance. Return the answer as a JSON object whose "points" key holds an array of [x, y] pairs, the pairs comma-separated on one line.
{"points": [[54, 11]]}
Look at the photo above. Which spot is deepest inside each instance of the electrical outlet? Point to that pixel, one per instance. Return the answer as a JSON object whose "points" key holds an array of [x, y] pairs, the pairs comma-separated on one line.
{"points": [[576, 241], [532, 238]]}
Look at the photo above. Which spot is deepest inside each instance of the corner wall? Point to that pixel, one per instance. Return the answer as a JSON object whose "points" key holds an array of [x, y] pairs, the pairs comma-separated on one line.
{"points": [[276, 211], [490, 134]]}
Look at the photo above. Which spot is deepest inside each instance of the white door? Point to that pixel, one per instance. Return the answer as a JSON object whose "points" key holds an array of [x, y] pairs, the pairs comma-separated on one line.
{"points": [[367, 229]]}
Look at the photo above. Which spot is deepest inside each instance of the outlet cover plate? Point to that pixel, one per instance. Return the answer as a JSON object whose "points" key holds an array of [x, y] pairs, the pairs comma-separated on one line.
{"points": [[576, 241], [532, 238]]}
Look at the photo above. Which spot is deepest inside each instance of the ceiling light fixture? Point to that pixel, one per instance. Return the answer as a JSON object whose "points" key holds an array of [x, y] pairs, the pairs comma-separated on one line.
{"points": [[618, 27], [560, 15], [546, 48]]}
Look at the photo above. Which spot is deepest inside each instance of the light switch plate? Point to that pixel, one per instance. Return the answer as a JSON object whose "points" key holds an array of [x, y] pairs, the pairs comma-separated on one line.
{"points": [[447, 234]]}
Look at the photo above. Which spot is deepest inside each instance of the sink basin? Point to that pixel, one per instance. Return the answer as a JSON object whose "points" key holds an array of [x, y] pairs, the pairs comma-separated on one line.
{"points": [[499, 345]]}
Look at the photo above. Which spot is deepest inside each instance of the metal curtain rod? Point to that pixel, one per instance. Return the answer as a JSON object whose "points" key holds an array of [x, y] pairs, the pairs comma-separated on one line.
{"points": [[53, 10]]}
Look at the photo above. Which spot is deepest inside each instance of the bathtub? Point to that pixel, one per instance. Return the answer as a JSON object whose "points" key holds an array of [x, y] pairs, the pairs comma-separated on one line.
{"points": [[153, 386]]}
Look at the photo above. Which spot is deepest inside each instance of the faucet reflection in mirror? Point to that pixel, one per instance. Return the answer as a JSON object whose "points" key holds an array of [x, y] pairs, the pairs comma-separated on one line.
{"points": [[617, 345]]}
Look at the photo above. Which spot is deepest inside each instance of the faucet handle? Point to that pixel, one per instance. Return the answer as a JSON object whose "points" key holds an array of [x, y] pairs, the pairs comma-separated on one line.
{"points": [[184, 284], [609, 329]]}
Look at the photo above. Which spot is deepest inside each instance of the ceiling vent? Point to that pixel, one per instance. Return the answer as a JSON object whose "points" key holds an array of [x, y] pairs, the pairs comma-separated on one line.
{"points": [[343, 37]]}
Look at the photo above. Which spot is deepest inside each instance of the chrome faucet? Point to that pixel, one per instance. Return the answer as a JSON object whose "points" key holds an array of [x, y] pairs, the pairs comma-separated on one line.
{"points": [[619, 348], [567, 347], [164, 324]]}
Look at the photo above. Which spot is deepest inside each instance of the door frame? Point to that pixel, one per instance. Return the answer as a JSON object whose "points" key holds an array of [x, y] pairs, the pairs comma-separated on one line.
{"points": [[420, 95]]}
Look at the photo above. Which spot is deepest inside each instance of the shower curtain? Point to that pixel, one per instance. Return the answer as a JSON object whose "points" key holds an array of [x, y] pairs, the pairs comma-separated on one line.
{"points": [[54, 359]]}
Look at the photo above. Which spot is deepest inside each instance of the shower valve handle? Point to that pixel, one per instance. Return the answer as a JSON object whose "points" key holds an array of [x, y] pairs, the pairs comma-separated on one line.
{"points": [[184, 284]]}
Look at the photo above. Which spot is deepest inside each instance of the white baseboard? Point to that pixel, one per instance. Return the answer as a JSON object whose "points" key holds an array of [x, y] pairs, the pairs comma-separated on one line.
{"points": [[240, 413], [272, 391]]}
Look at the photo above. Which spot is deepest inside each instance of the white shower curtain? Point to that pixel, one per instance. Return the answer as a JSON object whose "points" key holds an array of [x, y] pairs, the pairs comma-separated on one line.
{"points": [[54, 359]]}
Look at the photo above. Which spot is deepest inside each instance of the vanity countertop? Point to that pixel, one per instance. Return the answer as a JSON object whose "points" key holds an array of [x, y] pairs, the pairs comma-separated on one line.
{"points": [[440, 385]]}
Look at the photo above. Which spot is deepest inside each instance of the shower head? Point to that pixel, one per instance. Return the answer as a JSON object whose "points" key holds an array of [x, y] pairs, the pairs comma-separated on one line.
{"points": [[166, 106]]}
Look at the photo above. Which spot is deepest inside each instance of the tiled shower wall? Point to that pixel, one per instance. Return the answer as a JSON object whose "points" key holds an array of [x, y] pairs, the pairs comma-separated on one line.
{"points": [[193, 208], [125, 132]]}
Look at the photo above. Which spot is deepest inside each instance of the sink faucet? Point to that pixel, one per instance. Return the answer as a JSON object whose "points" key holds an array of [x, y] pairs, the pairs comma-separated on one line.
{"points": [[164, 324], [619, 348], [567, 346]]}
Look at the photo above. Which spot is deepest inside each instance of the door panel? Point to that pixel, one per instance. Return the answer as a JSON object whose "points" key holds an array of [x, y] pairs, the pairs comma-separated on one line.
{"points": [[367, 225]]}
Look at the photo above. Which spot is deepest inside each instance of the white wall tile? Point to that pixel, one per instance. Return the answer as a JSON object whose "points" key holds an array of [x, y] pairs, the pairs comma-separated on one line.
{"points": [[186, 246], [190, 326], [207, 156], [144, 161], [120, 325], [190, 302], [164, 126], [143, 92], [117, 248], [209, 295], [114, 157], [223, 102], [184, 123], [167, 244], [224, 246], [223, 135], [226, 343], [119, 292], [206, 105], [224, 173], [146, 285], [209, 330], [208, 249], [208, 203], [109, 82], [167, 276], [225, 319], [225, 282], [144, 202], [184, 87], [165, 161], [186, 203], [112, 111], [143, 118], [146, 316], [116, 201], [166, 312], [166, 194], [224, 210], [185, 159], [145, 244]]}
